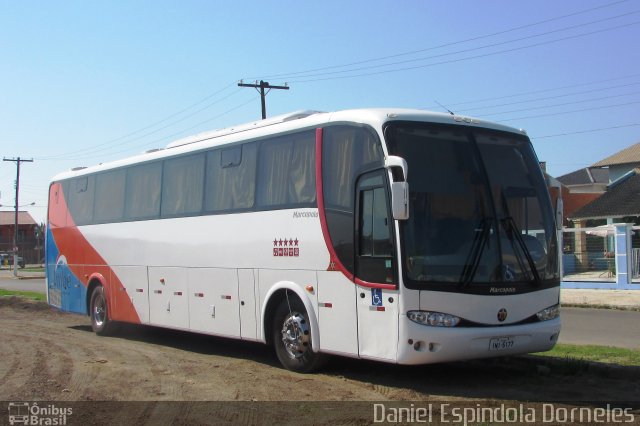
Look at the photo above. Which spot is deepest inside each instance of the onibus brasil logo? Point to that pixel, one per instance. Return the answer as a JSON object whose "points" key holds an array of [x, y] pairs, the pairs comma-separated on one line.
{"points": [[30, 413]]}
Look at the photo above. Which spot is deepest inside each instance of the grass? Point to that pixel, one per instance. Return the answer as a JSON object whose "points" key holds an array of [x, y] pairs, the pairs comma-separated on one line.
{"points": [[590, 353], [25, 294], [33, 269], [601, 306]]}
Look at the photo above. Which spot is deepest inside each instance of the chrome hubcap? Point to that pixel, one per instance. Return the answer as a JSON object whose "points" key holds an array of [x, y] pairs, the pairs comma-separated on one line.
{"points": [[99, 311], [296, 335]]}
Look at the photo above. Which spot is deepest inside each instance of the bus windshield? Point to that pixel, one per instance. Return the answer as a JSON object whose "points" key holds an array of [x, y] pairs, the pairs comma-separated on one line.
{"points": [[480, 213]]}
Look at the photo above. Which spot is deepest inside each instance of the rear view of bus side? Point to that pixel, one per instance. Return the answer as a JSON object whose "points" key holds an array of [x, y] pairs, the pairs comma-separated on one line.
{"points": [[395, 235]]}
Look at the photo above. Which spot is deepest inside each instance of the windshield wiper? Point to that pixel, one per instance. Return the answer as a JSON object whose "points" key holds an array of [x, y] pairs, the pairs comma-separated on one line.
{"points": [[475, 254], [514, 234]]}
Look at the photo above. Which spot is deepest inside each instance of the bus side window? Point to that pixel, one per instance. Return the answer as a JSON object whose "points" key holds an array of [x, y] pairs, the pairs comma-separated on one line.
{"points": [[142, 198], [109, 199], [230, 182], [182, 185], [81, 193], [286, 172]]}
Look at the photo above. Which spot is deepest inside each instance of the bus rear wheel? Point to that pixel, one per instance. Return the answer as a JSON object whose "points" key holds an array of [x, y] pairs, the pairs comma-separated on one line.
{"points": [[99, 313], [292, 337]]}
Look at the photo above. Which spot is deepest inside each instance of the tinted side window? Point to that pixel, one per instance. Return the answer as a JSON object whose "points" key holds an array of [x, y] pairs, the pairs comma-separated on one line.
{"points": [[81, 193], [110, 191], [143, 191], [231, 178], [182, 185], [286, 173], [347, 151]]}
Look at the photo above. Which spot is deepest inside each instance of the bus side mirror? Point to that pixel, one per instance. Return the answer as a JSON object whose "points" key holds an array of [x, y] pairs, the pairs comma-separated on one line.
{"points": [[400, 189], [400, 200]]}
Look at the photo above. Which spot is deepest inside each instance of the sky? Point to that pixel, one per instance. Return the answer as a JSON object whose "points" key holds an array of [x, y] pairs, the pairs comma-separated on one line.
{"points": [[83, 83]]}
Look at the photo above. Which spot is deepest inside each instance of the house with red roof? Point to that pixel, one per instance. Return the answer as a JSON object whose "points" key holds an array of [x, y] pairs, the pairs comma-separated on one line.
{"points": [[29, 239]]}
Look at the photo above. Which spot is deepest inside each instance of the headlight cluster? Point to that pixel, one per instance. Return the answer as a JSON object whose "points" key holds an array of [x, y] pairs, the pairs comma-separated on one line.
{"points": [[548, 314], [435, 319]]}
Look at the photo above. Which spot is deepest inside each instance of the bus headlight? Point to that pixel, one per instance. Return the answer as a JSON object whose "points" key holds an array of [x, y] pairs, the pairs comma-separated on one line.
{"points": [[548, 314], [434, 319]]}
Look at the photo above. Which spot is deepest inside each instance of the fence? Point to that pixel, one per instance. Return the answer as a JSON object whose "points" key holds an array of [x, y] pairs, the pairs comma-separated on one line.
{"points": [[602, 257]]}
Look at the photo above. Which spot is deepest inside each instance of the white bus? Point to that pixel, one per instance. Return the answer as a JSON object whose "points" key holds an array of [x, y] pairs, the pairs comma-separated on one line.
{"points": [[401, 236]]}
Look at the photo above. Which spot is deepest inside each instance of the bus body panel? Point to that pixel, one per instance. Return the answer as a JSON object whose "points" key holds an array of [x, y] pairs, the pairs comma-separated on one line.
{"points": [[168, 297], [214, 305], [247, 292], [337, 313], [135, 283]]}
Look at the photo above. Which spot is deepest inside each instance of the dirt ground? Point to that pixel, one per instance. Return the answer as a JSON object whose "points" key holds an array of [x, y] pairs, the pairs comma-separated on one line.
{"points": [[49, 355]]}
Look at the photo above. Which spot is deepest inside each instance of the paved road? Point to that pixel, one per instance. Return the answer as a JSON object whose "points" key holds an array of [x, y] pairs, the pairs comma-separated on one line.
{"points": [[580, 326], [25, 285], [606, 327]]}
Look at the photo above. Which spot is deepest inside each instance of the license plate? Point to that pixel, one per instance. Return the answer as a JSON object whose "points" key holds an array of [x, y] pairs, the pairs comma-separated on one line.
{"points": [[501, 343]]}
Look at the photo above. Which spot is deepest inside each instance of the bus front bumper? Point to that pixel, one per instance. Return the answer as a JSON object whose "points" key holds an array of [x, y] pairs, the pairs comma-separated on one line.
{"points": [[421, 344]]}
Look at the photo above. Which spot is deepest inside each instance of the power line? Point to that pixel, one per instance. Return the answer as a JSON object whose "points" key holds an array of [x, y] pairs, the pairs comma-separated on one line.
{"points": [[291, 74], [164, 138], [570, 112], [472, 49], [450, 61], [584, 131], [549, 97], [110, 143], [93, 150], [533, 92], [561, 104]]}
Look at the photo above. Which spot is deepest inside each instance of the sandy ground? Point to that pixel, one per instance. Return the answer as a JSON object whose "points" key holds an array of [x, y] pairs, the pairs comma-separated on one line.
{"points": [[49, 355], [46, 355]]}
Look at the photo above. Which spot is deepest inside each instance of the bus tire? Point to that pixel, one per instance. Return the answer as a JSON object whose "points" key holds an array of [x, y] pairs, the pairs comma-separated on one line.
{"points": [[292, 337], [99, 313]]}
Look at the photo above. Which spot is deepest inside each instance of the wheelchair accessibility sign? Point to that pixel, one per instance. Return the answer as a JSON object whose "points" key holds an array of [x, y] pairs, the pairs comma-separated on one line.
{"points": [[376, 297]]}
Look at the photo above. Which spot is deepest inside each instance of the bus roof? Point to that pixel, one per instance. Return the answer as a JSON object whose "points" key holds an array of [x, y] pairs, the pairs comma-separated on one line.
{"points": [[375, 117]]}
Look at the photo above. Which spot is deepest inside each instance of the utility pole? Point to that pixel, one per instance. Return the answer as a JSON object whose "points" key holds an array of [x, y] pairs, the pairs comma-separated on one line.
{"points": [[15, 229], [263, 85]]}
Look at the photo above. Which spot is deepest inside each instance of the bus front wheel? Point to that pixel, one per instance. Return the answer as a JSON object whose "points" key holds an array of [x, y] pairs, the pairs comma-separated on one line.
{"points": [[100, 322], [292, 337]]}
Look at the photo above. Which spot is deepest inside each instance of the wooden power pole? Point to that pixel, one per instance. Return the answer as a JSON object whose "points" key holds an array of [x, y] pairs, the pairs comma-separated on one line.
{"points": [[263, 85], [15, 229]]}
